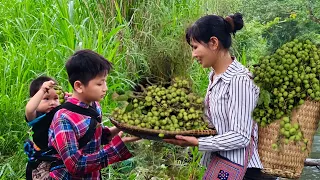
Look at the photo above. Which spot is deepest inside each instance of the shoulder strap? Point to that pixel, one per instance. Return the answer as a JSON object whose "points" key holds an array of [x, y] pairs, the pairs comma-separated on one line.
{"points": [[80, 110], [95, 118], [89, 134]]}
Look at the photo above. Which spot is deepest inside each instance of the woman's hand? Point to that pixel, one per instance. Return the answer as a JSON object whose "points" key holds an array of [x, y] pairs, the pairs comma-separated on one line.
{"points": [[183, 141]]}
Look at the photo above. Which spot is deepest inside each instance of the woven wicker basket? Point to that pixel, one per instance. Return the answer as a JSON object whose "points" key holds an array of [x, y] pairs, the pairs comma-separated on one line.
{"points": [[288, 160], [154, 134]]}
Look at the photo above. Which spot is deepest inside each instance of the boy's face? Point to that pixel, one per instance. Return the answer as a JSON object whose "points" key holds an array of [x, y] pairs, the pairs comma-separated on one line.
{"points": [[49, 101], [96, 89]]}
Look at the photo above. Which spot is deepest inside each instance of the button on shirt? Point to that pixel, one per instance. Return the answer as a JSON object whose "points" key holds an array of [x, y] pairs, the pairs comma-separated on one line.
{"points": [[231, 99]]}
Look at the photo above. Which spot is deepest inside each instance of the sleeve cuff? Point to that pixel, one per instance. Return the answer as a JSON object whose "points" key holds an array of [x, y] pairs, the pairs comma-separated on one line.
{"points": [[105, 137], [120, 148], [205, 144], [106, 130]]}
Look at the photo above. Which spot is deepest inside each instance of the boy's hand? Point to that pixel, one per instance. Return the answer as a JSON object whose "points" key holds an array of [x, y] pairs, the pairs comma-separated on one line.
{"points": [[128, 139], [47, 85], [114, 130]]}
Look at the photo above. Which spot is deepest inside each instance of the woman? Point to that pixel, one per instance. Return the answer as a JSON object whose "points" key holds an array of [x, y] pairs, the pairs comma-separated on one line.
{"points": [[230, 99]]}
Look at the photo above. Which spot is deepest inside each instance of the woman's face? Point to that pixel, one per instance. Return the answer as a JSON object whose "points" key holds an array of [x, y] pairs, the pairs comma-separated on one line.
{"points": [[205, 53]]}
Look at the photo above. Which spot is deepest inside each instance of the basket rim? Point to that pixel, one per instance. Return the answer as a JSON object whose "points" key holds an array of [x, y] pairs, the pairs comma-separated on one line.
{"points": [[166, 132]]}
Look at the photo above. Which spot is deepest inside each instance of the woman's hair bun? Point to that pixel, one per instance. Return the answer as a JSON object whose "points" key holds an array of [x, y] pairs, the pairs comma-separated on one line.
{"points": [[234, 22]]}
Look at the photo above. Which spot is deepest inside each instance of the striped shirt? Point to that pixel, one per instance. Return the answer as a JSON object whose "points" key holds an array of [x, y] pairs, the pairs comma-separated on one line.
{"points": [[231, 97], [66, 129]]}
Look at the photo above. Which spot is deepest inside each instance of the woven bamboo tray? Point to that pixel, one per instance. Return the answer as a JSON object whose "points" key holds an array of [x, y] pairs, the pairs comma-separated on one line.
{"points": [[288, 160], [154, 134]]}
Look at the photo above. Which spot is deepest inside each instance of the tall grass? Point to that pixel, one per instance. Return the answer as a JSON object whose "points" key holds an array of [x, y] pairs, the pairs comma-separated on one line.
{"points": [[37, 37]]}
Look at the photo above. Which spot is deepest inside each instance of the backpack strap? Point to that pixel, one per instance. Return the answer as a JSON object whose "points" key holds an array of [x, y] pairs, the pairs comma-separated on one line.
{"points": [[36, 120], [95, 118], [91, 111], [89, 134]]}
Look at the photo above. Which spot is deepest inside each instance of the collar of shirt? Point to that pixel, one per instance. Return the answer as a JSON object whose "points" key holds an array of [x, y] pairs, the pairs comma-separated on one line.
{"points": [[77, 102], [234, 68], [96, 106]]}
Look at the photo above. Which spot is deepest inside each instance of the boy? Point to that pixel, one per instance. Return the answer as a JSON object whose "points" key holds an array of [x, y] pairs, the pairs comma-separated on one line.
{"points": [[87, 72], [43, 98]]}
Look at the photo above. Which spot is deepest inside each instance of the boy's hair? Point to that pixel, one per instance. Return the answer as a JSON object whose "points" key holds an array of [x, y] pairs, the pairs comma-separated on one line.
{"points": [[37, 83], [85, 65]]}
